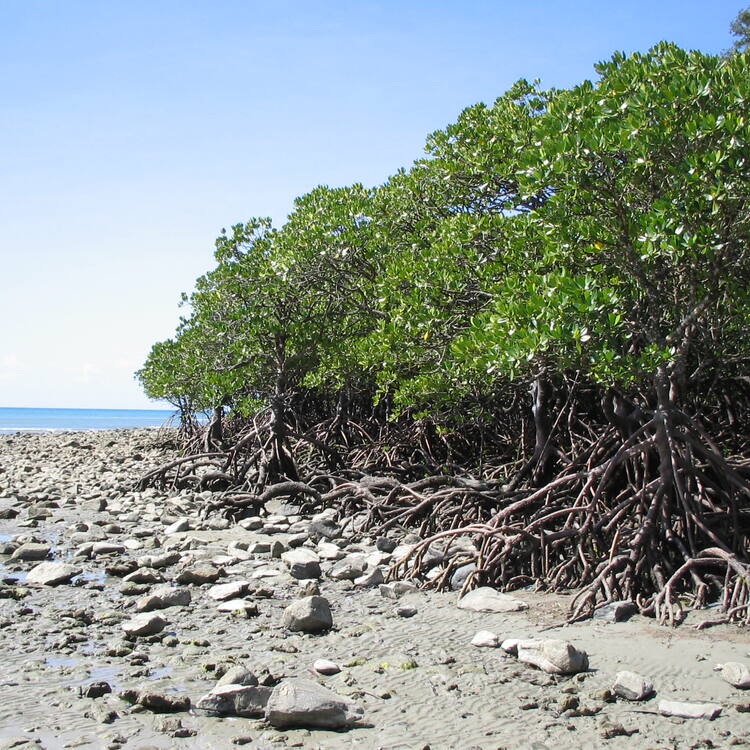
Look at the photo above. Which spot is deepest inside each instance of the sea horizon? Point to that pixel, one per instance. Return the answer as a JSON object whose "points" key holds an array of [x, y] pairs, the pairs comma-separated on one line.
{"points": [[62, 419]]}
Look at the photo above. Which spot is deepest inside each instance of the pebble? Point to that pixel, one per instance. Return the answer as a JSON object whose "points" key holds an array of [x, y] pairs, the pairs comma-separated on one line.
{"points": [[485, 639], [326, 667]]}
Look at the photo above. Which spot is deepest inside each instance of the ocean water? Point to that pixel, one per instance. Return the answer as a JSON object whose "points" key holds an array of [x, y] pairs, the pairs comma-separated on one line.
{"points": [[55, 420]]}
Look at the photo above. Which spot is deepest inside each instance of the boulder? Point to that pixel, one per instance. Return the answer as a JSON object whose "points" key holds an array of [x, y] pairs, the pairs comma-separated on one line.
{"points": [[31, 551], [303, 563], [632, 686], [311, 614], [163, 597], [304, 703], [553, 656], [735, 673], [144, 624], [486, 599], [52, 573], [248, 701]]}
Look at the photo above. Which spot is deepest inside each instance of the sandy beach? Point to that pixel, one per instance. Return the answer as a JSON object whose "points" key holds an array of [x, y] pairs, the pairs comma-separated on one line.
{"points": [[74, 677]]}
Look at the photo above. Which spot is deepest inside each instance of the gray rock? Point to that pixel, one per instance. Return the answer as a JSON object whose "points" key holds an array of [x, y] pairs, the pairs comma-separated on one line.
{"points": [[632, 686], [383, 544], [323, 528], [616, 611], [240, 607], [303, 563], [370, 578], [735, 673], [396, 589], [144, 575], [182, 524], [303, 703], [224, 591], [52, 573], [163, 597], [351, 567], [487, 599], [237, 675], [107, 548], [552, 656], [199, 575], [157, 702], [248, 701], [309, 615], [32, 551], [458, 579], [689, 710], [144, 624]]}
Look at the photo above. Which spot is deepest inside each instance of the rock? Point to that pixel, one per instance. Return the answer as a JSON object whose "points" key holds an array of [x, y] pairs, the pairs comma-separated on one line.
{"points": [[329, 551], [632, 686], [735, 673], [689, 710], [144, 575], [326, 667], [239, 607], [371, 578], [230, 699], [383, 544], [351, 567], [182, 524], [144, 624], [163, 597], [406, 611], [553, 656], [458, 579], [94, 689], [304, 703], [309, 588], [485, 639], [611, 729], [161, 703], [224, 591], [487, 599], [309, 615], [164, 560], [107, 548], [200, 575], [396, 589], [616, 611], [31, 551], [303, 563], [52, 573], [322, 527], [237, 675]]}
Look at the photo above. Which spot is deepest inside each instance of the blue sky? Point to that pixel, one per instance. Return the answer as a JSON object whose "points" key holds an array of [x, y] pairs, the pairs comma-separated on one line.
{"points": [[132, 132]]}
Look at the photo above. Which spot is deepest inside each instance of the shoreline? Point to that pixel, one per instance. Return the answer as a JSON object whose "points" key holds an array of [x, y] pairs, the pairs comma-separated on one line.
{"points": [[418, 679]]}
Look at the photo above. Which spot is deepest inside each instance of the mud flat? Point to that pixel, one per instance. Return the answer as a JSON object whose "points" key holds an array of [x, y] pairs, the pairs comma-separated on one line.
{"points": [[122, 610]]}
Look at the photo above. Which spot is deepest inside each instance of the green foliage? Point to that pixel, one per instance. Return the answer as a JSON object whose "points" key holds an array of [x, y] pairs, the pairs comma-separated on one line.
{"points": [[601, 229]]}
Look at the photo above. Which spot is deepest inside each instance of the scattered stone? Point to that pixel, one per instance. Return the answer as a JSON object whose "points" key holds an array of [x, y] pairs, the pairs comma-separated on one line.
{"points": [[689, 710], [632, 686], [486, 599], [553, 656], [106, 548], [309, 615], [309, 588], [371, 578], [458, 579], [303, 563], [229, 699], [199, 575], [161, 703], [611, 729], [326, 667], [485, 639], [396, 589], [163, 597], [383, 544], [351, 567], [143, 625], [304, 703], [239, 607], [224, 591], [735, 673], [52, 573], [31, 551], [619, 611], [94, 689], [322, 527], [144, 575], [237, 675], [406, 611], [182, 524]]}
